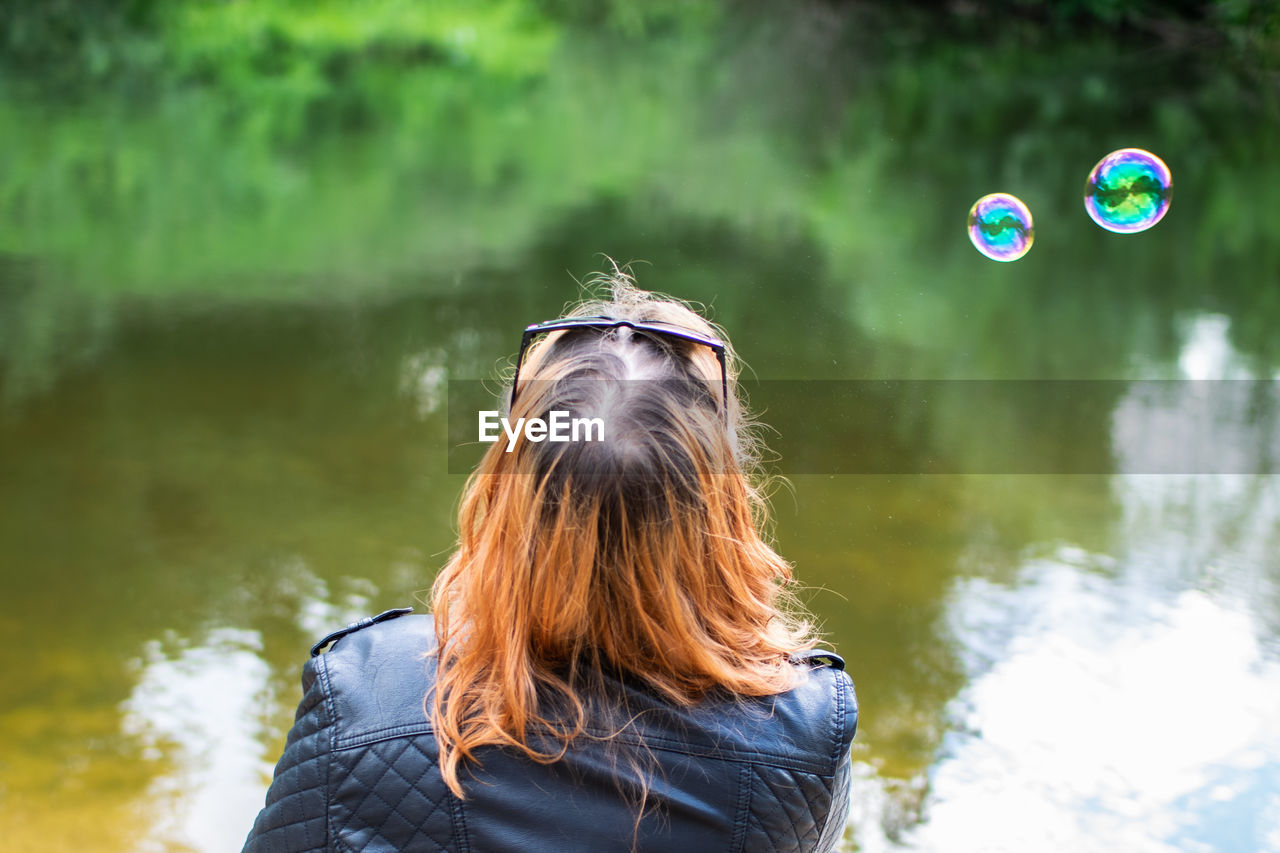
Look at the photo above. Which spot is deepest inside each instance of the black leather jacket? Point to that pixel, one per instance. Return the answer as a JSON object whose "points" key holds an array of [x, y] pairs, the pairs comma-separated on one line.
{"points": [[359, 772]]}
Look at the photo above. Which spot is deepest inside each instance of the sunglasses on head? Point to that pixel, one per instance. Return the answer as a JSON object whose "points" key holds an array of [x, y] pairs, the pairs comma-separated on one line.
{"points": [[606, 323]]}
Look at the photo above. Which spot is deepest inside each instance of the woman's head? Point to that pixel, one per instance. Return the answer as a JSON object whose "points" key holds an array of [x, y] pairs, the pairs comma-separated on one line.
{"points": [[637, 550]]}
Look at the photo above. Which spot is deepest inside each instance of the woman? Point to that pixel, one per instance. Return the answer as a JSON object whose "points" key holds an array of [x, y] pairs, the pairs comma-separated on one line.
{"points": [[613, 660]]}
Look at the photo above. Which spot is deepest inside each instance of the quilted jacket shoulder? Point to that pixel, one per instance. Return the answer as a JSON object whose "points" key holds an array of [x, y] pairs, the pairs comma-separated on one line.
{"points": [[360, 771]]}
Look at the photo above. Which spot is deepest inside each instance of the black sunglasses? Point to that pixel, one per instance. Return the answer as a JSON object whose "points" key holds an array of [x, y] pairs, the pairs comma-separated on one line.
{"points": [[606, 323]]}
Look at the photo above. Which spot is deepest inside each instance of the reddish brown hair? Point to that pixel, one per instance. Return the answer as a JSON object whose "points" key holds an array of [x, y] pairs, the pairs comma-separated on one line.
{"points": [[641, 553]]}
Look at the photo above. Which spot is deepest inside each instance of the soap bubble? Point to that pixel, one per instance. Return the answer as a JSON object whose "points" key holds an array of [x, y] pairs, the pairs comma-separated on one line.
{"points": [[1000, 227], [1128, 191]]}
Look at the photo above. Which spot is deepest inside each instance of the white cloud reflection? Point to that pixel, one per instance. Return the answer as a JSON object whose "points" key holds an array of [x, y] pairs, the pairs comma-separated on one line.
{"points": [[1128, 701], [199, 706], [424, 378], [1107, 722], [1207, 352], [200, 712]]}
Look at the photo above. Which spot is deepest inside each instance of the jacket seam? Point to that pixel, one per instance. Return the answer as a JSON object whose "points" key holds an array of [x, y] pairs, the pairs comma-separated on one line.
{"points": [[731, 754], [459, 823], [837, 733], [326, 689], [658, 742], [744, 809], [386, 733], [837, 739]]}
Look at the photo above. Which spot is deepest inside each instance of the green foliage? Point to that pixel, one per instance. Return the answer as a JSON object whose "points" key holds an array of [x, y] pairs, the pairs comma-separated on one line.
{"points": [[73, 45], [300, 151]]}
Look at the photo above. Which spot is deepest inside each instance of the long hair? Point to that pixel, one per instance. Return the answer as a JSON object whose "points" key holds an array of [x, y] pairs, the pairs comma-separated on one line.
{"points": [[640, 553]]}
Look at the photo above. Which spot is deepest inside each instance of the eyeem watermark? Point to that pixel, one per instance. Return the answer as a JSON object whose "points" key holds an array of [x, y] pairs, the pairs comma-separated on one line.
{"points": [[860, 427], [558, 427]]}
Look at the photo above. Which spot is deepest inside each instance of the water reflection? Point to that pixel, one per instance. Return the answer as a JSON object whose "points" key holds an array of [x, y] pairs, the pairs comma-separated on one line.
{"points": [[1119, 689], [199, 707], [1112, 702], [1096, 720], [222, 380], [209, 713], [1207, 352], [300, 488]]}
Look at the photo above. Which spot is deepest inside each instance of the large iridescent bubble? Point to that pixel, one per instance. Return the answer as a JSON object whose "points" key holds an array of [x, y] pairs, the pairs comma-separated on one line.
{"points": [[1128, 191], [1000, 227]]}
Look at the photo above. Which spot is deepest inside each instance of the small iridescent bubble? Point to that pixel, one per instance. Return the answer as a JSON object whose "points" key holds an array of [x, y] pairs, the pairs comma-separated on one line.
{"points": [[1000, 227], [1128, 191]]}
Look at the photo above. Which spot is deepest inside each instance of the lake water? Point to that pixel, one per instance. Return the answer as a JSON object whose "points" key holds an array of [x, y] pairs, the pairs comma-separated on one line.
{"points": [[1036, 505]]}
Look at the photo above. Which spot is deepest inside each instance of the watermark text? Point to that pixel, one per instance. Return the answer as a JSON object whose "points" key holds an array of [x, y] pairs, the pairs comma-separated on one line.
{"points": [[559, 426]]}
